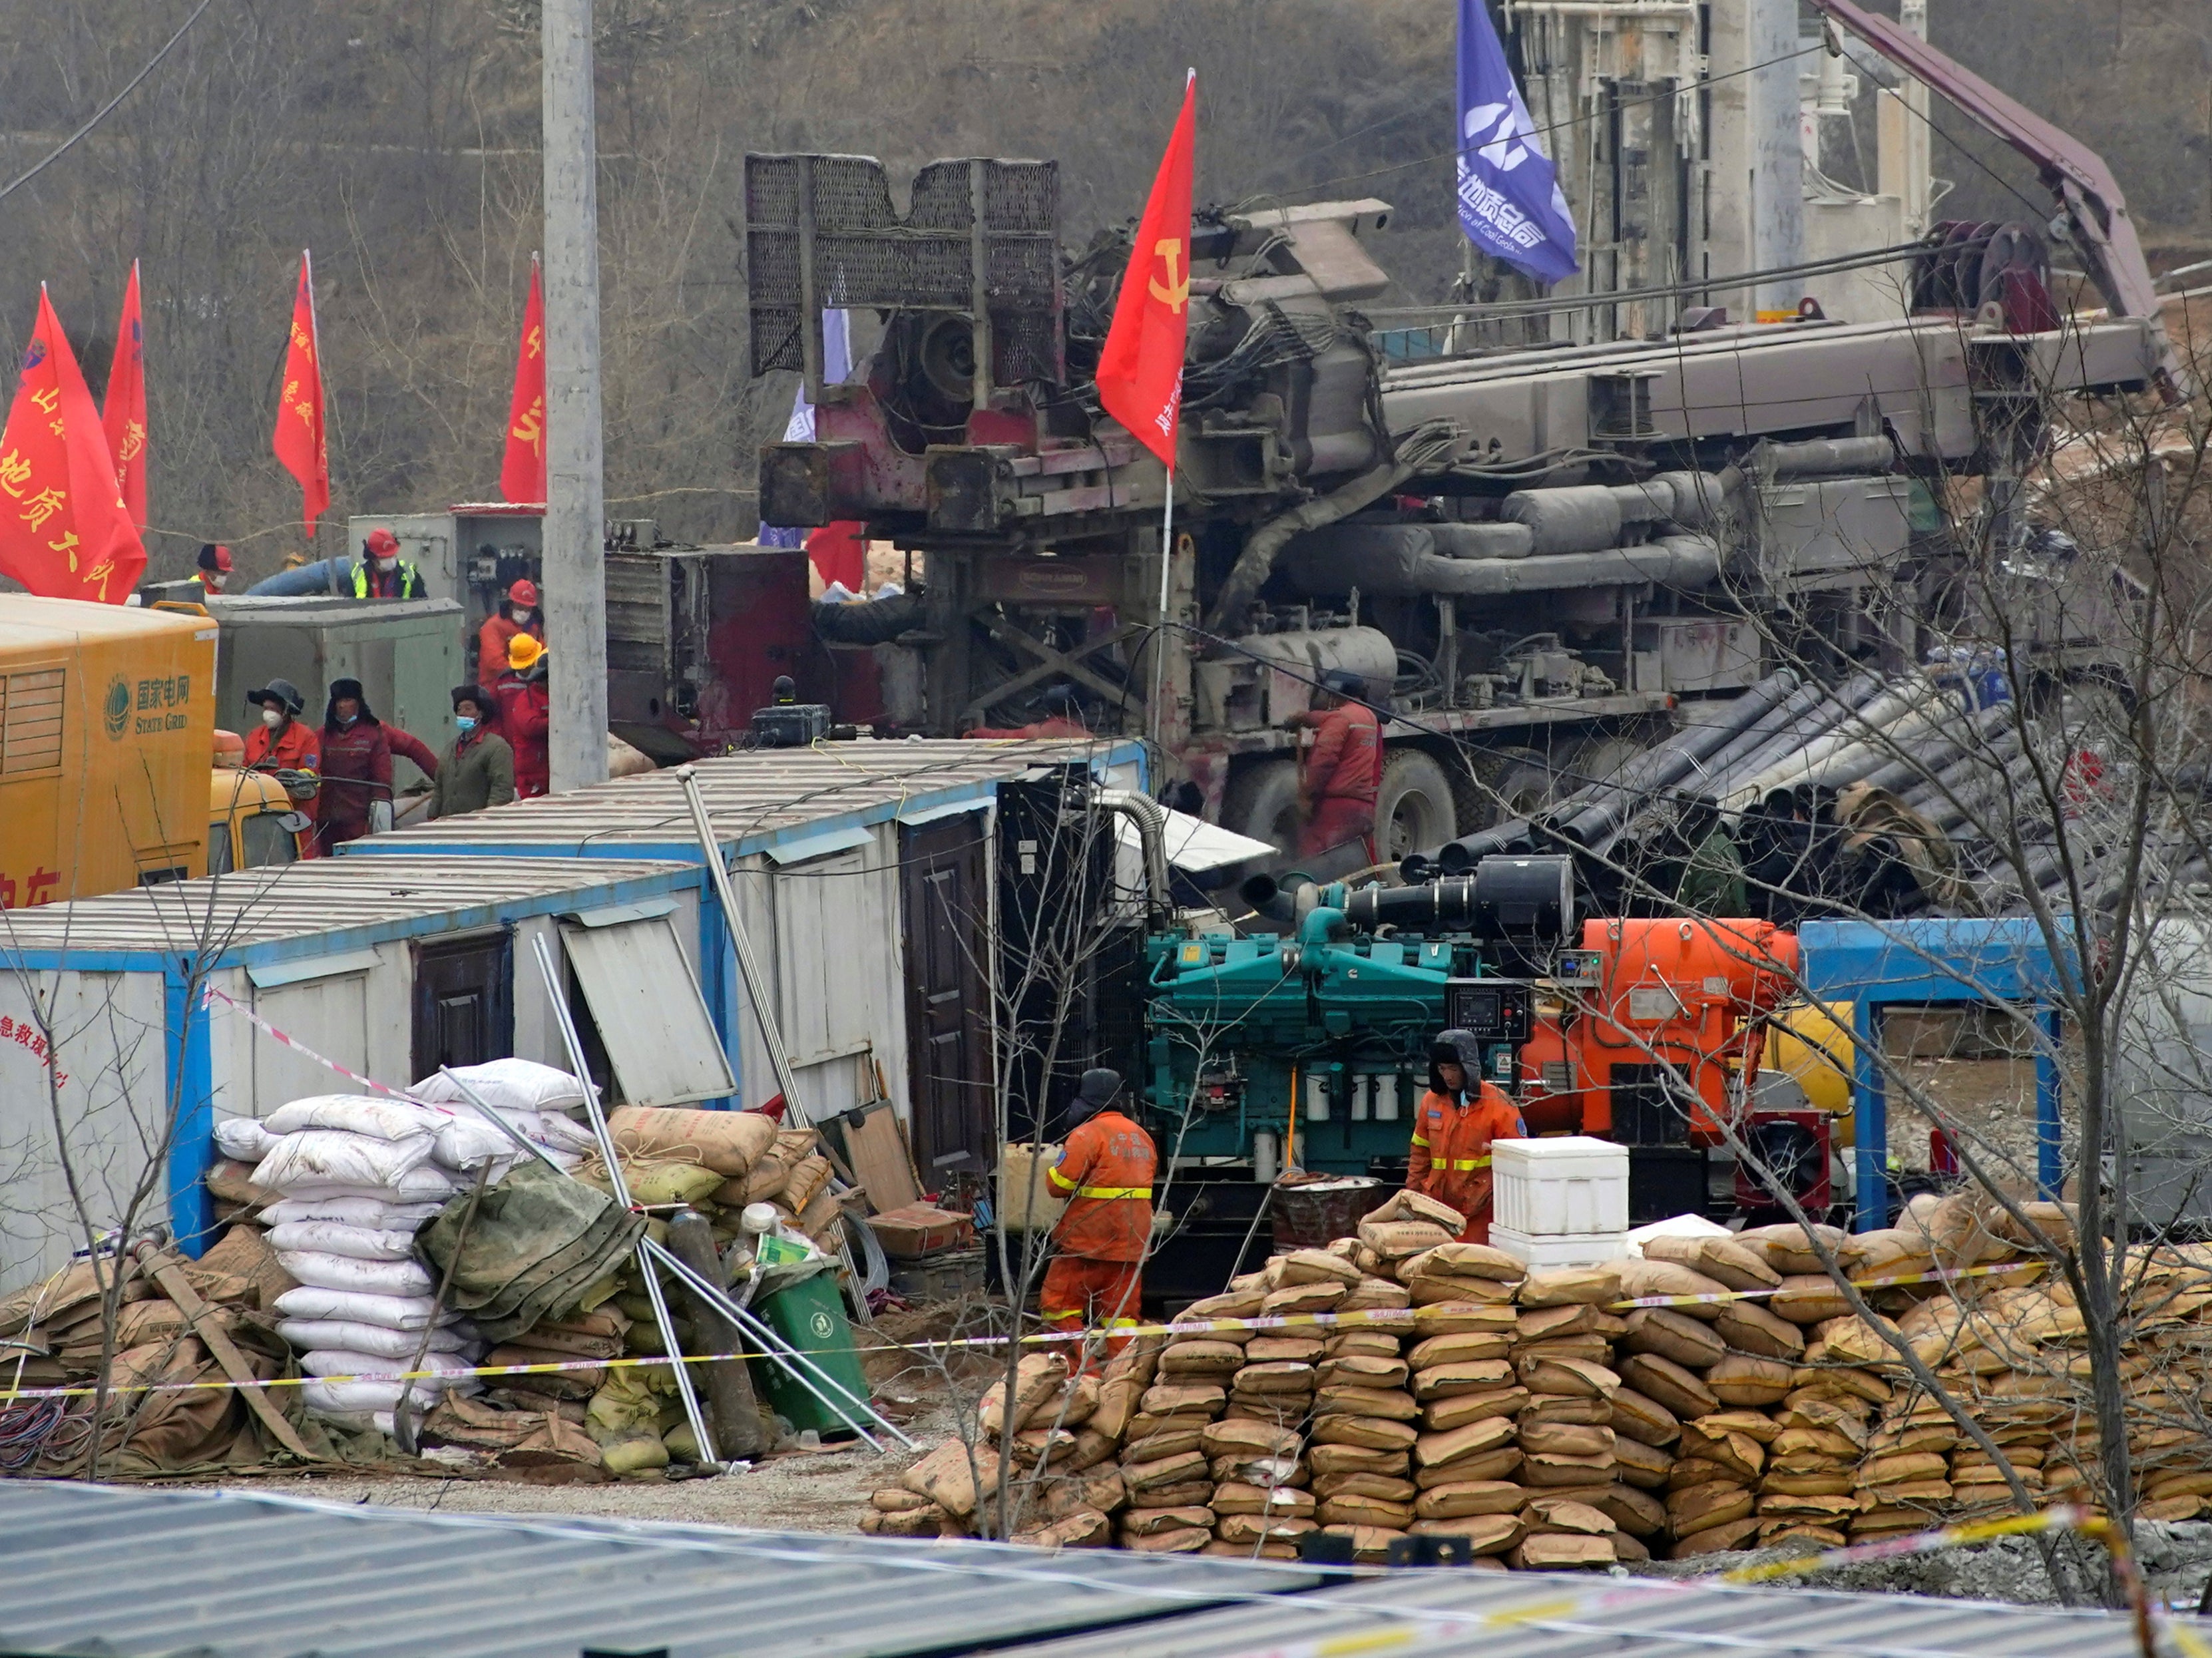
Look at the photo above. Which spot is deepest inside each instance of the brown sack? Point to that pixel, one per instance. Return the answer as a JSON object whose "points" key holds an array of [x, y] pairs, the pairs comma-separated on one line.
{"points": [[728, 1142], [1565, 1286], [1638, 1415], [1371, 1433], [1668, 1384], [1692, 1345], [1406, 1204], [1575, 1377], [1741, 1379]]}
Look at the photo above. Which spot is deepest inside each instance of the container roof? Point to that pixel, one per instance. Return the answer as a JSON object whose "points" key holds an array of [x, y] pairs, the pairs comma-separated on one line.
{"points": [[332, 903], [359, 1581], [26, 620], [754, 798]]}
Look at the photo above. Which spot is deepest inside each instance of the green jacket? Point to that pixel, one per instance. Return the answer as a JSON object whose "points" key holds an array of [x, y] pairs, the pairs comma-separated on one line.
{"points": [[477, 770], [1713, 879]]}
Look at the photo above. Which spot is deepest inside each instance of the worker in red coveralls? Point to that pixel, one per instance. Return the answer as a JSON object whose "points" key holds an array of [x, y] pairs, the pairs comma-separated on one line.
{"points": [[1460, 1116], [1063, 717], [1343, 770], [281, 745], [526, 715], [1105, 1173]]}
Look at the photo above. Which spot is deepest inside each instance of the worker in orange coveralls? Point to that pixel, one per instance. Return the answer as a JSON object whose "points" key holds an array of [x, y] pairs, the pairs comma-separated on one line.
{"points": [[1105, 1173], [1343, 770], [1460, 1116]]}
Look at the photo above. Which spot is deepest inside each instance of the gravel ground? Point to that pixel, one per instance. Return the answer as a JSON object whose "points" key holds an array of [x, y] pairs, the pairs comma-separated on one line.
{"points": [[824, 1490]]}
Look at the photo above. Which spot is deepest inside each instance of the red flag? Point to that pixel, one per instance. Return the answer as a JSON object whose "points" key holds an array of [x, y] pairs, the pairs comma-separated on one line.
{"points": [[65, 532], [1140, 370], [299, 441], [124, 413], [522, 474]]}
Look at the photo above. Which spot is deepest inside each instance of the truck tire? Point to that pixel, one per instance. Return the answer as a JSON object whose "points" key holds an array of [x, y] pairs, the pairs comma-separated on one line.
{"points": [[1414, 810], [1523, 786], [1262, 802]]}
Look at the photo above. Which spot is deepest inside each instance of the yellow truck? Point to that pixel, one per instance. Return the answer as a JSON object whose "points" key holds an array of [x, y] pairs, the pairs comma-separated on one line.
{"points": [[108, 756]]}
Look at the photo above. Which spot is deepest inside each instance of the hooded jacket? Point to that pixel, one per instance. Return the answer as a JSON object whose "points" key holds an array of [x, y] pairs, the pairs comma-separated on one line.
{"points": [[356, 768]]}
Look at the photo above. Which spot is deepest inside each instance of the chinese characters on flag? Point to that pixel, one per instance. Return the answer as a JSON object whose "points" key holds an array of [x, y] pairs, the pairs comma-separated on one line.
{"points": [[65, 531], [522, 474], [1141, 369], [124, 413], [299, 441]]}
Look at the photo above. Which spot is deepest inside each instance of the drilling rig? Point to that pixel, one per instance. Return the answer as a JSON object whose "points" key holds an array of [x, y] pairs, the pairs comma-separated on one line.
{"points": [[1529, 552]]}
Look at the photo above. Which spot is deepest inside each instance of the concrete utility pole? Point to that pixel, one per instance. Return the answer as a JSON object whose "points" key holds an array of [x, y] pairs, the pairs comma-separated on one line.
{"points": [[1777, 155], [575, 565]]}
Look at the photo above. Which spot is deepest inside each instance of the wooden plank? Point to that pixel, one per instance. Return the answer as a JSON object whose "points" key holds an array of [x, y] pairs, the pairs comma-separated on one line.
{"points": [[170, 1276], [875, 1146]]}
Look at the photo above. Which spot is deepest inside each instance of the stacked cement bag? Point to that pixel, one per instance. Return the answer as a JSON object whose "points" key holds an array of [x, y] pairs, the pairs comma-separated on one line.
{"points": [[356, 1175]]}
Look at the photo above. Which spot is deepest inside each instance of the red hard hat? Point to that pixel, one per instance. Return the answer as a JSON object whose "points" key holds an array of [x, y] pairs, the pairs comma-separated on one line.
{"points": [[524, 592], [382, 542]]}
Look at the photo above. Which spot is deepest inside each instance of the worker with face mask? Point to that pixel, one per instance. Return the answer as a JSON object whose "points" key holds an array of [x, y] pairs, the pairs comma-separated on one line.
{"points": [[357, 769], [213, 567], [478, 768], [1459, 1118], [281, 745], [1105, 1173], [518, 614], [382, 574]]}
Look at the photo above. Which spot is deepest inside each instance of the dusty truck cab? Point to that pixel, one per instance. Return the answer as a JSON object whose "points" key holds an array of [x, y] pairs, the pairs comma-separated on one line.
{"points": [[252, 822]]}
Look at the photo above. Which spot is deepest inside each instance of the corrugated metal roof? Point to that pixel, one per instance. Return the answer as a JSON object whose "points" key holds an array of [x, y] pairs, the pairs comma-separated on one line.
{"points": [[318, 897], [754, 796], [1461, 1613], [239, 1575]]}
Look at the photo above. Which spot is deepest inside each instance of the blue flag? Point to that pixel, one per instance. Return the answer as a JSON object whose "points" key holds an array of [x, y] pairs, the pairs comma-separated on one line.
{"points": [[1509, 201]]}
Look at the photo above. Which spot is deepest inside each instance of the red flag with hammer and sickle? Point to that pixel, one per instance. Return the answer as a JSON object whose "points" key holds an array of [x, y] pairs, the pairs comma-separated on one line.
{"points": [[299, 441], [522, 473], [65, 531], [1140, 370]]}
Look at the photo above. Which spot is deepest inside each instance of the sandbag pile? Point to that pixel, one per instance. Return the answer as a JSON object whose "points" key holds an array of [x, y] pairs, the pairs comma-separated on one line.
{"points": [[54, 1336], [350, 1179], [1535, 1415]]}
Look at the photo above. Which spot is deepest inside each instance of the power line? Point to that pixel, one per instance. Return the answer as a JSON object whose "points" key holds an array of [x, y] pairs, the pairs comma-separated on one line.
{"points": [[108, 108]]}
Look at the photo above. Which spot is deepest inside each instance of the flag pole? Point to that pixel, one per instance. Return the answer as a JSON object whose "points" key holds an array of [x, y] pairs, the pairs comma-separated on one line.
{"points": [[1160, 624]]}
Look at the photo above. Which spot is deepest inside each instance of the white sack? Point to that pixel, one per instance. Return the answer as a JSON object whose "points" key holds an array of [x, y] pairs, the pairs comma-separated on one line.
{"points": [[375, 1278], [425, 1183], [357, 1114], [328, 1156], [345, 1399], [312, 1301], [506, 1085], [243, 1140], [343, 1334], [335, 1237], [352, 1210]]}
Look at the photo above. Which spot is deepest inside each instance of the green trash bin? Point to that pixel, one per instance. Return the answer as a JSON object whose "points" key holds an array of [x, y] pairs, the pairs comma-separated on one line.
{"points": [[809, 1315]]}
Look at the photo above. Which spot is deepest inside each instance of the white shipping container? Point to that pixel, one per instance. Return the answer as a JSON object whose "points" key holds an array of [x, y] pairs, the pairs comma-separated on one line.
{"points": [[1570, 1184]]}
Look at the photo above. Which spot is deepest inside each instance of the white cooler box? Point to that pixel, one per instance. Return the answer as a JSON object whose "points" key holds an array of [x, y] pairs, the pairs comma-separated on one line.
{"points": [[1570, 1184], [1561, 1248]]}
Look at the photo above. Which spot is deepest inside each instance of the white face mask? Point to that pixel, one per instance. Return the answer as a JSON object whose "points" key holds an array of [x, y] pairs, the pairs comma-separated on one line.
{"points": [[521, 617], [272, 717]]}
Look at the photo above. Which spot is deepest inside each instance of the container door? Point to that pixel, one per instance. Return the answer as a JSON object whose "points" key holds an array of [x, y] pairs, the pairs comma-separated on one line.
{"points": [[464, 1001], [944, 902]]}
